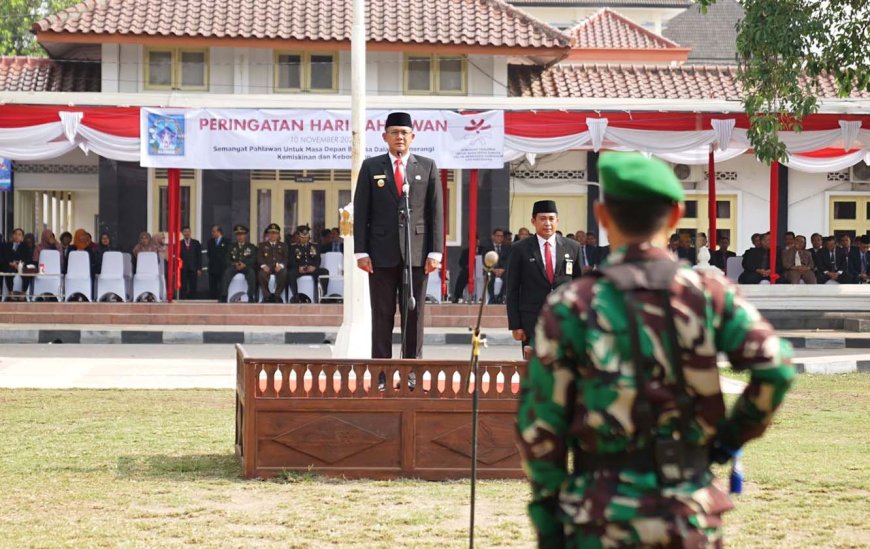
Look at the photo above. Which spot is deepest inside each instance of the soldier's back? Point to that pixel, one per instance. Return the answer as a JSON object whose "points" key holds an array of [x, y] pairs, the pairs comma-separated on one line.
{"points": [[617, 494]]}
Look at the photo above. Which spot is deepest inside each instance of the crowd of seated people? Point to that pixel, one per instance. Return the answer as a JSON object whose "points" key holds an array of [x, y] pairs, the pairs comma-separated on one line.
{"points": [[822, 260], [826, 260]]}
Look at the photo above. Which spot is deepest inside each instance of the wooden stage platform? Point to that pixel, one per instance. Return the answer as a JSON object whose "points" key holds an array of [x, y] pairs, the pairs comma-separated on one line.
{"points": [[330, 417]]}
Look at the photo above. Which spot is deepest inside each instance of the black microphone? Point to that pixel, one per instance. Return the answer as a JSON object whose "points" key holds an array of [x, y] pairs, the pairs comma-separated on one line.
{"points": [[490, 260]]}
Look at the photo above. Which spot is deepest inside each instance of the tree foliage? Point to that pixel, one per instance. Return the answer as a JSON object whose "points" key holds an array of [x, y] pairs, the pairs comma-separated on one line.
{"points": [[17, 18], [784, 49]]}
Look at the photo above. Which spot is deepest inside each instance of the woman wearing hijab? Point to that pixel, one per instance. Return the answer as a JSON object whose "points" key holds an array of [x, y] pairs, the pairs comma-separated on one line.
{"points": [[145, 244], [160, 246], [82, 243], [46, 242]]}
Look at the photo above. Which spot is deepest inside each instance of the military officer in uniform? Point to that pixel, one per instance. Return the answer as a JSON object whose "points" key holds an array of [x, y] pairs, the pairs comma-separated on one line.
{"points": [[272, 257], [305, 261], [624, 377], [242, 258]]}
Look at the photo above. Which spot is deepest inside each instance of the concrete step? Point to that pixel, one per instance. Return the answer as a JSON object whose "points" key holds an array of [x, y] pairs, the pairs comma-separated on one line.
{"points": [[222, 314]]}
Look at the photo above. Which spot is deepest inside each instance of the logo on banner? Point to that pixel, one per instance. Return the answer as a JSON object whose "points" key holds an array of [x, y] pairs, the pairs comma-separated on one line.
{"points": [[478, 126], [165, 134], [5, 175]]}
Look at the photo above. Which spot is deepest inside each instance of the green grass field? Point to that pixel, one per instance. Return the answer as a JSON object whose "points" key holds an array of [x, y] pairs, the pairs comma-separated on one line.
{"points": [[155, 468]]}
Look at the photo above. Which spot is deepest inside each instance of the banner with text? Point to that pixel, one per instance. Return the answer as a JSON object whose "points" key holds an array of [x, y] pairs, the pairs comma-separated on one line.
{"points": [[309, 139]]}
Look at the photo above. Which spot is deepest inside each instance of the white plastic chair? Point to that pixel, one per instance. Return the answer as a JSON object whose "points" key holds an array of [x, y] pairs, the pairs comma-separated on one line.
{"points": [[78, 276], [734, 268], [433, 286], [52, 283], [111, 279], [148, 277], [238, 290], [128, 273], [17, 285], [334, 263], [306, 286], [273, 285]]}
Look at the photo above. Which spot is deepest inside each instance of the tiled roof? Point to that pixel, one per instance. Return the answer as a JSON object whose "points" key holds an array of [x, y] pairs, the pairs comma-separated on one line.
{"points": [[608, 29], [712, 37], [638, 82], [492, 23], [35, 74], [625, 81], [601, 4]]}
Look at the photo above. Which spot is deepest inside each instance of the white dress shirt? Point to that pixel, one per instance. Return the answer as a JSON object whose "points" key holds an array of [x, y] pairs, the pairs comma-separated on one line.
{"points": [[552, 241], [404, 159]]}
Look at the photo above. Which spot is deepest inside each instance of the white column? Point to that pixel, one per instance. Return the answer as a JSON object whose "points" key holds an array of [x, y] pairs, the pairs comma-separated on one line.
{"points": [[355, 335]]}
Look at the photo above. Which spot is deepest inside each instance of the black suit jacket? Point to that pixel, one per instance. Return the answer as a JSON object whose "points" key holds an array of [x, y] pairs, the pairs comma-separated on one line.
{"points": [[503, 256], [824, 264], [217, 255], [855, 262], [378, 227], [718, 259], [527, 285], [24, 254], [191, 257]]}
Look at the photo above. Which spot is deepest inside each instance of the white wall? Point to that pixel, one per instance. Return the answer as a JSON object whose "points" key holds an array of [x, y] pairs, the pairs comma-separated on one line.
{"points": [[131, 73], [650, 18], [60, 181], [808, 206], [221, 70], [86, 205], [260, 79]]}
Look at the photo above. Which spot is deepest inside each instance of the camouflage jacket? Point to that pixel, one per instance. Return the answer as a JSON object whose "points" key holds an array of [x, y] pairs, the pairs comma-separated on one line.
{"points": [[579, 393]]}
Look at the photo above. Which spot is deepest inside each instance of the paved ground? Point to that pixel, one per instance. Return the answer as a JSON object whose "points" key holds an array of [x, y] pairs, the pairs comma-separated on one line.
{"points": [[205, 366]]}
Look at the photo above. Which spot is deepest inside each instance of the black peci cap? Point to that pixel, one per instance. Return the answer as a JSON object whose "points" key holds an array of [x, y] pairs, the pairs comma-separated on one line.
{"points": [[399, 119], [544, 206]]}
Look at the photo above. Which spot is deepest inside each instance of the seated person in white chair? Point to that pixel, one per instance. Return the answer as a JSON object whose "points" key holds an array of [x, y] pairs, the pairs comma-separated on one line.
{"points": [[797, 263], [305, 261], [241, 258], [272, 257]]}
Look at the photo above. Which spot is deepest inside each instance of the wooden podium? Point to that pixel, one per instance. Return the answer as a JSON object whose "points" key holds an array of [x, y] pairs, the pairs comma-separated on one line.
{"points": [[333, 417]]}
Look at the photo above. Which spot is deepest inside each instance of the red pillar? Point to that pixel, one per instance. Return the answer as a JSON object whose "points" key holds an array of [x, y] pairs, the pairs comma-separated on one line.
{"points": [[444, 194], [472, 229], [711, 199], [172, 193], [774, 218]]}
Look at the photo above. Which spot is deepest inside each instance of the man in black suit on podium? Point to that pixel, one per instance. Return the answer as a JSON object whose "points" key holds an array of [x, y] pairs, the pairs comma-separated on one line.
{"points": [[379, 233], [537, 265]]}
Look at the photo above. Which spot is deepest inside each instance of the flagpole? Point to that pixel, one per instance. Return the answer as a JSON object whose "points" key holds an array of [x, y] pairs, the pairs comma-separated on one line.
{"points": [[354, 336]]}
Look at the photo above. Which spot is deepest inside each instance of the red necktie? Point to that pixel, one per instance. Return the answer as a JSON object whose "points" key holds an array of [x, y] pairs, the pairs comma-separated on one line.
{"points": [[398, 175], [548, 261]]}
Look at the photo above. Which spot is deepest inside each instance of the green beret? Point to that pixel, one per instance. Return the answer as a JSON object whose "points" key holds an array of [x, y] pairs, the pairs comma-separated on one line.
{"points": [[633, 176]]}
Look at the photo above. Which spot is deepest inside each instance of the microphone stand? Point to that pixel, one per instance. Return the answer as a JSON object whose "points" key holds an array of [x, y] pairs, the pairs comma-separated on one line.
{"points": [[409, 303], [476, 341]]}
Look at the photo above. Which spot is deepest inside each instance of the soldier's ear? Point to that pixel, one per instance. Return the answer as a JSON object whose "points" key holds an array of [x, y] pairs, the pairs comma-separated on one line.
{"points": [[677, 212]]}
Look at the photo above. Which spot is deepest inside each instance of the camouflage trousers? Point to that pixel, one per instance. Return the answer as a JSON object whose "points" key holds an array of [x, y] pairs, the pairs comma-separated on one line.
{"points": [[649, 532]]}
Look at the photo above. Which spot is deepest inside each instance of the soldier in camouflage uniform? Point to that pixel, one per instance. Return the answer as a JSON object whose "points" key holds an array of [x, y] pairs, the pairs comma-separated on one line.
{"points": [[580, 395], [241, 258], [305, 261]]}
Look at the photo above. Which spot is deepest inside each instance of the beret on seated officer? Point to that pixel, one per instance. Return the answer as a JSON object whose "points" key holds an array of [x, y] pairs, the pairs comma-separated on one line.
{"points": [[624, 379]]}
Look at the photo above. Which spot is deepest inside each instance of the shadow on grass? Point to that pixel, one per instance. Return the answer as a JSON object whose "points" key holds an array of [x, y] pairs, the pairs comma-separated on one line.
{"points": [[189, 467]]}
